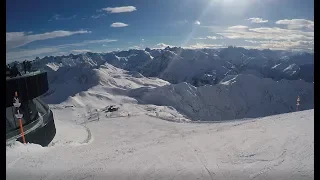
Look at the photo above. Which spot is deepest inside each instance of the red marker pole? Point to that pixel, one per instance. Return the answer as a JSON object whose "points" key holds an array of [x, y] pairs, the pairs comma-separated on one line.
{"points": [[22, 132], [17, 104]]}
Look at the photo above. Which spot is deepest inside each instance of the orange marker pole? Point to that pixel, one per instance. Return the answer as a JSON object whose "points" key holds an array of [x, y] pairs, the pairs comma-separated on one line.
{"points": [[22, 132], [20, 122]]}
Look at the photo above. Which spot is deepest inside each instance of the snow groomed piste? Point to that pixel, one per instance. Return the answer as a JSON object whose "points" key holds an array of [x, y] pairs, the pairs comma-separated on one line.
{"points": [[28, 118]]}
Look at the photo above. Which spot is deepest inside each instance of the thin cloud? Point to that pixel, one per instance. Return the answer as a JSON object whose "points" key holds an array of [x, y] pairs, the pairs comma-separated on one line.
{"points": [[238, 28], [297, 24], [197, 22], [212, 37], [29, 54], [266, 33], [100, 41], [54, 17], [162, 46], [202, 46], [80, 51], [209, 37], [122, 9], [272, 37], [283, 45], [200, 38], [257, 20], [59, 17], [88, 42], [97, 16], [119, 24], [17, 39], [135, 47], [182, 22], [178, 23]]}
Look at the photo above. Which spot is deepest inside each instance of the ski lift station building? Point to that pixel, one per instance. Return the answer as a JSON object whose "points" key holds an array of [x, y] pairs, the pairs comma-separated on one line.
{"points": [[37, 120]]}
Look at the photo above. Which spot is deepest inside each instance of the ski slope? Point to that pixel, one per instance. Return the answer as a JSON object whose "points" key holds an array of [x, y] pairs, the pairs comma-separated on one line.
{"points": [[143, 147]]}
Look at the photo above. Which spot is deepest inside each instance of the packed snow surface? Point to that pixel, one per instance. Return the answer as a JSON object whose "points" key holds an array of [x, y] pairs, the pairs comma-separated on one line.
{"points": [[143, 147]]}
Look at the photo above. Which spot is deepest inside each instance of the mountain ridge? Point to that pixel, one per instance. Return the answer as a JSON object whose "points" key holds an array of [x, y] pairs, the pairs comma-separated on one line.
{"points": [[198, 67]]}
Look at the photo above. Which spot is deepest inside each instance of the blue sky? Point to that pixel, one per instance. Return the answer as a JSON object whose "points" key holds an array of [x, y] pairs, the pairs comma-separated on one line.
{"points": [[44, 28]]}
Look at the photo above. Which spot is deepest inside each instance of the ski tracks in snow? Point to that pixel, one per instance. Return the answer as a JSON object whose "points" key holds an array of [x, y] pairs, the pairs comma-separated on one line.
{"points": [[147, 148], [199, 157]]}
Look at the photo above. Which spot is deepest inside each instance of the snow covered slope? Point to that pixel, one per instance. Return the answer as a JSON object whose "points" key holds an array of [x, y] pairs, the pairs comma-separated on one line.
{"points": [[239, 96], [68, 81], [131, 80], [274, 147], [91, 88]]}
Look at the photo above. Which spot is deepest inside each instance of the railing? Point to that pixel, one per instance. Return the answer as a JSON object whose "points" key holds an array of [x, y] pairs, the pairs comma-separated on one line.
{"points": [[44, 113], [32, 73], [13, 135]]}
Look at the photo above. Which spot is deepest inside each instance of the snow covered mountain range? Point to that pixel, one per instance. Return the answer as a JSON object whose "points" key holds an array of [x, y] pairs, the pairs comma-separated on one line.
{"points": [[244, 96], [203, 84], [198, 67]]}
